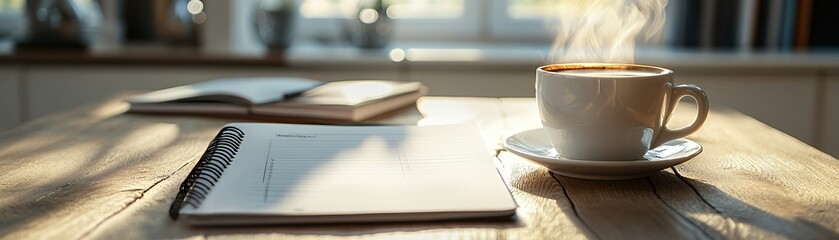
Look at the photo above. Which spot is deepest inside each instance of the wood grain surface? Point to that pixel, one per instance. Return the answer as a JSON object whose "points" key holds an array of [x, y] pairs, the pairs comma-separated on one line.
{"points": [[99, 173]]}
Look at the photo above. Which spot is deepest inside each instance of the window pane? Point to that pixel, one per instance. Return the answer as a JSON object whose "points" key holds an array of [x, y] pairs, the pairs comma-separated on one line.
{"points": [[424, 8], [11, 5], [534, 8], [398, 9], [327, 8]]}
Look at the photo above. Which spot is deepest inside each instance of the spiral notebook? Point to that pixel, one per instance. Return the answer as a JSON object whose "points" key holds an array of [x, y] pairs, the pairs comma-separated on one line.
{"points": [[263, 173]]}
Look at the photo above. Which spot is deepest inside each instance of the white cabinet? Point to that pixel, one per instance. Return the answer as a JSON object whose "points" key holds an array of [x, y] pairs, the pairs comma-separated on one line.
{"points": [[9, 97], [784, 100], [830, 133], [55, 88], [476, 81]]}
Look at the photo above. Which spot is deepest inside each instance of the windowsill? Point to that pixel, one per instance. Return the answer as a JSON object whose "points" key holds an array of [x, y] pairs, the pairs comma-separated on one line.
{"points": [[416, 54], [494, 56]]}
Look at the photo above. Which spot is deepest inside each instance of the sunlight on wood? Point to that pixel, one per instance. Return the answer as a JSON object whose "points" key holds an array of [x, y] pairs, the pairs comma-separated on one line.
{"points": [[29, 145], [523, 112], [444, 112], [155, 136], [111, 109]]}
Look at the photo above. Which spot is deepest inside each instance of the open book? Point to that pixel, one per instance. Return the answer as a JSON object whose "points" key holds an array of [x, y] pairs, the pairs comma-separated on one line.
{"points": [[262, 173], [349, 100]]}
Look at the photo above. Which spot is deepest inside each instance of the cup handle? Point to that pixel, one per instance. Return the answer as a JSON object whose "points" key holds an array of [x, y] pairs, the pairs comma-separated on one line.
{"points": [[680, 91]]}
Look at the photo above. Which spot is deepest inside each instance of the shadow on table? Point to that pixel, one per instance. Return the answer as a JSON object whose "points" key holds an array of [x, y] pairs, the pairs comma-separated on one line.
{"points": [[741, 214], [538, 182], [72, 171], [617, 209]]}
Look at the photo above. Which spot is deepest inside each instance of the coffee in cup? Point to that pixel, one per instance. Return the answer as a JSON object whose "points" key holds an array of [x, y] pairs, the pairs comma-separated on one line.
{"points": [[597, 111]]}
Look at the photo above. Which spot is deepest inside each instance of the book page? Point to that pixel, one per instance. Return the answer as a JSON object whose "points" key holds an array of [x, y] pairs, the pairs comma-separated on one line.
{"points": [[286, 169], [257, 90], [351, 93]]}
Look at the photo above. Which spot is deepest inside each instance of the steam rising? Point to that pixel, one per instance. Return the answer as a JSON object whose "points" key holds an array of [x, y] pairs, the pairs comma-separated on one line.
{"points": [[605, 30]]}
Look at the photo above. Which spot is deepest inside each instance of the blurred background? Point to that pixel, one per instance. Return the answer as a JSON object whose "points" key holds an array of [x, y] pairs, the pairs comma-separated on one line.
{"points": [[775, 60]]}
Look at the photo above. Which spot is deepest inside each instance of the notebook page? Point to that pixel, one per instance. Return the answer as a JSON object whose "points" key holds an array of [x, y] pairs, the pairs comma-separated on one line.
{"points": [[330, 170]]}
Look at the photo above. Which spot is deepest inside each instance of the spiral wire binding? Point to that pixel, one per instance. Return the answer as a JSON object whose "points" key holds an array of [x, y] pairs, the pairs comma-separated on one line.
{"points": [[208, 170]]}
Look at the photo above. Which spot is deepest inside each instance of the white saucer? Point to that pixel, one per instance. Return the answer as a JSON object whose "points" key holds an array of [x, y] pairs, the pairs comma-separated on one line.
{"points": [[534, 145]]}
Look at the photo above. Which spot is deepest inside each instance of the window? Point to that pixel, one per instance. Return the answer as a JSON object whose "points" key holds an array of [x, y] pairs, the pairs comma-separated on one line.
{"points": [[445, 20], [398, 9], [427, 9], [532, 20], [531, 9], [11, 13], [414, 19]]}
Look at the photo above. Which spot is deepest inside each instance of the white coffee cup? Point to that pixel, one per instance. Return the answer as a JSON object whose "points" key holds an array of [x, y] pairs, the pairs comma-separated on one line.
{"points": [[598, 111]]}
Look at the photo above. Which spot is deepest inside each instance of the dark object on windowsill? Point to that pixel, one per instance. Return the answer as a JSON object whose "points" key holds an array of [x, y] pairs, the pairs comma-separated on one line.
{"points": [[273, 21], [61, 23], [159, 21], [175, 24]]}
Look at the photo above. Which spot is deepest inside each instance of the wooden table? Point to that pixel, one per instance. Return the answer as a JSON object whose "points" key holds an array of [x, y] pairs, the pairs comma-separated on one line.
{"points": [[100, 173]]}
